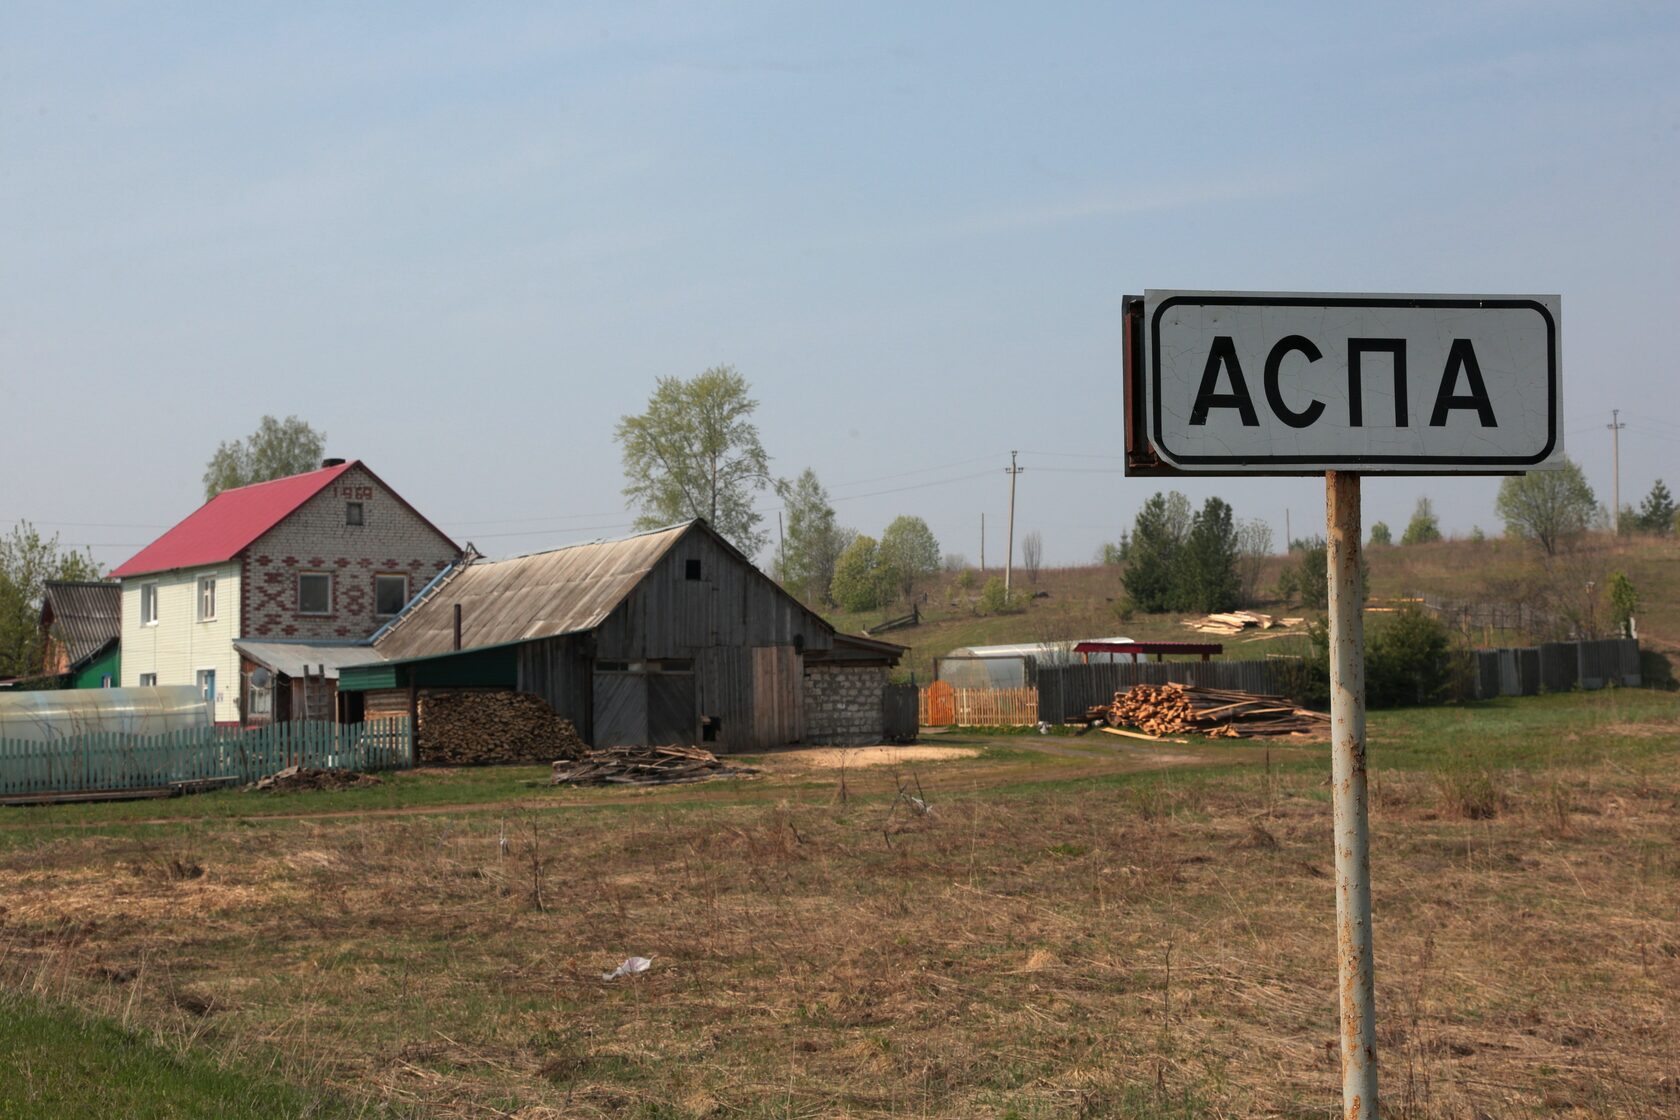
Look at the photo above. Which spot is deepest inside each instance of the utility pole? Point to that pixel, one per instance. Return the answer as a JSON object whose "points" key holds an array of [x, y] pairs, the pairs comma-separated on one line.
{"points": [[1616, 427], [1009, 557], [982, 544]]}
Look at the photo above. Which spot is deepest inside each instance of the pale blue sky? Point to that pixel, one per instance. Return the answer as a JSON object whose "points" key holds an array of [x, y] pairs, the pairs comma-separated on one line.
{"points": [[464, 240]]}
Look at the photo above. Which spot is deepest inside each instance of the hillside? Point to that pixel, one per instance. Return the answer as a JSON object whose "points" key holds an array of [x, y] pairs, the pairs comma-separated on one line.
{"points": [[1074, 603]]}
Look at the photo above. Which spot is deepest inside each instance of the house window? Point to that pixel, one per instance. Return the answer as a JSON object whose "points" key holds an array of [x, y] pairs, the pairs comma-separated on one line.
{"points": [[389, 594], [207, 599], [691, 568], [207, 684], [148, 680], [105, 681], [148, 604], [314, 593], [353, 513]]}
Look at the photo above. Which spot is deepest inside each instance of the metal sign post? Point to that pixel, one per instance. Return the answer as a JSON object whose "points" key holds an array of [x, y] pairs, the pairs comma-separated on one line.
{"points": [[1343, 384], [1348, 798]]}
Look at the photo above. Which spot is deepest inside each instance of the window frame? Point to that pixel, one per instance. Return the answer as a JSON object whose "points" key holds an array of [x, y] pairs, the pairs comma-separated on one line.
{"points": [[327, 611], [359, 510], [203, 584], [377, 576], [148, 680], [149, 603], [198, 680]]}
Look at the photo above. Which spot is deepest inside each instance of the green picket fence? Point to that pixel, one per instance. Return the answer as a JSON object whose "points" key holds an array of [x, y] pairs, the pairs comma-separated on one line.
{"points": [[209, 755]]}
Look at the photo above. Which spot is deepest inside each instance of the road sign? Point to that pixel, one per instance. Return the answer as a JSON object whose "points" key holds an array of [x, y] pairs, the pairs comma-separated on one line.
{"points": [[1273, 383]]}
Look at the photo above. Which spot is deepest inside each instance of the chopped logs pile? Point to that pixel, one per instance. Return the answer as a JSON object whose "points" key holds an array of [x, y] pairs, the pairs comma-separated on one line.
{"points": [[1171, 709], [295, 778], [643, 766], [471, 727]]}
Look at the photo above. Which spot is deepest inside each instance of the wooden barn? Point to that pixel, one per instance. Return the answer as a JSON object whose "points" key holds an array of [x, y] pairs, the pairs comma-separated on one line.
{"points": [[671, 636]]}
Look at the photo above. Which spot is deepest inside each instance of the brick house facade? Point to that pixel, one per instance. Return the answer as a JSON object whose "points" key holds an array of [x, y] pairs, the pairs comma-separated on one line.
{"points": [[354, 532]]}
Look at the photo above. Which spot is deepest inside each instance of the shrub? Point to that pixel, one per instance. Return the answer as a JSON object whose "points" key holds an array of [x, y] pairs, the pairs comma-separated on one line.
{"points": [[1409, 661], [993, 598]]}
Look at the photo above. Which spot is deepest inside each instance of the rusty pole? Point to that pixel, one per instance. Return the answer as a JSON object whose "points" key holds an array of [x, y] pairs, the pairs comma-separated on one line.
{"points": [[1353, 841]]}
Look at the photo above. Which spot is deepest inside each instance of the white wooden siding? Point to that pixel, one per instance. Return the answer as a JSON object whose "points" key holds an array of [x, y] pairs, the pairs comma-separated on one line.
{"points": [[179, 646]]}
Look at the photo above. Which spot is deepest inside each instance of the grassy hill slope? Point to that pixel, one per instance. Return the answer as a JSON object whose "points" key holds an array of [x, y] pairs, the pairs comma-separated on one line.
{"points": [[1076, 603]]}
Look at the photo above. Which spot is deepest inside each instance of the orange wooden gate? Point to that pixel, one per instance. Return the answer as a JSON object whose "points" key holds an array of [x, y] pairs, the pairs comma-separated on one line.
{"points": [[939, 705]]}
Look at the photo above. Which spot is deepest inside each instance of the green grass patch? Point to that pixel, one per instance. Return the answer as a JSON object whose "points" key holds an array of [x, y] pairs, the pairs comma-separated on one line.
{"points": [[57, 1062]]}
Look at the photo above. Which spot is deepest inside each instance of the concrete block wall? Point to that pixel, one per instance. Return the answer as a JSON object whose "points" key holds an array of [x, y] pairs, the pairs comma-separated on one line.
{"points": [[392, 540], [843, 704]]}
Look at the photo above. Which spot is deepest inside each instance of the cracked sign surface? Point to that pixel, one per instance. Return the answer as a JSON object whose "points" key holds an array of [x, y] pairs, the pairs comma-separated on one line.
{"points": [[1258, 382]]}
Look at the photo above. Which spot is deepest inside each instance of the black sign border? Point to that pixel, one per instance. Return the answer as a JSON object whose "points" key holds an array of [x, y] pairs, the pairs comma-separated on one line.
{"points": [[1330, 462]]}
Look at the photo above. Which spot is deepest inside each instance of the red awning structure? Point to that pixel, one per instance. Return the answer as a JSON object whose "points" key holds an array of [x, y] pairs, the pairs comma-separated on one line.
{"points": [[1143, 649]]}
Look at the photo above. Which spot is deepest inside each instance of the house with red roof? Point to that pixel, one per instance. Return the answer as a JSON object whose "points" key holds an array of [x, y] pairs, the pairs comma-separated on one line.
{"points": [[300, 565]]}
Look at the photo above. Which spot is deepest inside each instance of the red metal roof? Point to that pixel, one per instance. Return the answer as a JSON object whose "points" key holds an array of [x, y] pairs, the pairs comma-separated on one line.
{"points": [[223, 526]]}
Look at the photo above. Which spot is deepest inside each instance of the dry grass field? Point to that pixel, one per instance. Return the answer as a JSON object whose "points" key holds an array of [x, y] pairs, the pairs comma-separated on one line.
{"points": [[1076, 927]]}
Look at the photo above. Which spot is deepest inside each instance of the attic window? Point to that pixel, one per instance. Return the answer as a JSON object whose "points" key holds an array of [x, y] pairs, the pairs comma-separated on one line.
{"points": [[691, 568], [353, 513]]}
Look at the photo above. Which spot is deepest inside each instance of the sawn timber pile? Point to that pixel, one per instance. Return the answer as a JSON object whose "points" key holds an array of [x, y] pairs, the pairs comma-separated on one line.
{"points": [[644, 766], [1172, 709], [470, 727]]}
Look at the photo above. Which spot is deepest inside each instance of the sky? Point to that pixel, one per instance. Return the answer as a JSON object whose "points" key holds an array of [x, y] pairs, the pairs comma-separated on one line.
{"points": [[464, 240]]}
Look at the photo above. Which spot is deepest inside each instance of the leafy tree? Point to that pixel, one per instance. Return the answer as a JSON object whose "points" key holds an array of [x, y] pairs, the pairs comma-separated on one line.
{"points": [[27, 562], [1423, 528], [857, 577], [1624, 601], [695, 453], [1032, 554], [276, 449], [1115, 553], [1381, 533], [908, 554], [1546, 506], [1656, 512], [1207, 577], [1476, 534], [812, 542], [1312, 574], [1152, 558]]}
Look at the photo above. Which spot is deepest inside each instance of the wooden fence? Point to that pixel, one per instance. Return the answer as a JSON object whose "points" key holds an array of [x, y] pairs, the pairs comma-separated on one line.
{"points": [[942, 706], [210, 756]]}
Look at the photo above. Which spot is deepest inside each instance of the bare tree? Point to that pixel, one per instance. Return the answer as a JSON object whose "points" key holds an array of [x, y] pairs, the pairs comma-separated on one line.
{"points": [[1032, 554], [1254, 548]]}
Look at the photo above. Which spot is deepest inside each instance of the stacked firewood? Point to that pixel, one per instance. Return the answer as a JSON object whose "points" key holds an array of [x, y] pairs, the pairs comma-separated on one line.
{"points": [[469, 727], [640, 766], [1172, 709]]}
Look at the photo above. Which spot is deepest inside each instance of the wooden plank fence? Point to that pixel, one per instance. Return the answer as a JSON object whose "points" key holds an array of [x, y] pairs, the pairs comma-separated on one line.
{"points": [[111, 761], [978, 707]]}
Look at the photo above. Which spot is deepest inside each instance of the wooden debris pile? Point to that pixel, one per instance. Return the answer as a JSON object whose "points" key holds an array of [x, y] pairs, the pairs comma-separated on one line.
{"points": [[472, 727], [1173, 709], [1231, 623], [644, 766], [296, 778]]}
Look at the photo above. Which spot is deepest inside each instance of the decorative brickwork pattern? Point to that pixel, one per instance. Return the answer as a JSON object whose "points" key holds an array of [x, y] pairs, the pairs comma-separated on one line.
{"points": [[391, 540], [843, 705]]}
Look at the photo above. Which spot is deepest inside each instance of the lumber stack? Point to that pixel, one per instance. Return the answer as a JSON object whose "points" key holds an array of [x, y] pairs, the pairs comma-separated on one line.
{"points": [[475, 727], [1173, 709], [296, 778], [643, 766], [1231, 623]]}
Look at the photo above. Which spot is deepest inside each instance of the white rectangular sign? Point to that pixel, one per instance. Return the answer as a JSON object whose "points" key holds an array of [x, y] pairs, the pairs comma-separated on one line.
{"points": [[1258, 382]]}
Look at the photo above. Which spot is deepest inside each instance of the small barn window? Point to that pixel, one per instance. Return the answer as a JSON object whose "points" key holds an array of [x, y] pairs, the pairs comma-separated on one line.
{"points": [[710, 726], [691, 568], [352, 513]]}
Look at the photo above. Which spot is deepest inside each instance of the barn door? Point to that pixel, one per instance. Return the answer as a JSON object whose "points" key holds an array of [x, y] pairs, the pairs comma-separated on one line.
{"points": [[621, 710], [778, 696], [672, 712]]}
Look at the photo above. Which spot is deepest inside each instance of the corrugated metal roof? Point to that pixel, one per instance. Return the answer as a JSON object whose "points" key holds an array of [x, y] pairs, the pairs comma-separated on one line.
{"points": [[85, 615], [219, 529], [543, 595], [295, 658]]}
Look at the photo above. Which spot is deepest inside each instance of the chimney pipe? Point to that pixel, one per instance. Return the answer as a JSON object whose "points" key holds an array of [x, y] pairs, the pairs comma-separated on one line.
{"points": [[325, 463], [457, 626]]}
